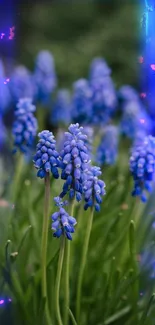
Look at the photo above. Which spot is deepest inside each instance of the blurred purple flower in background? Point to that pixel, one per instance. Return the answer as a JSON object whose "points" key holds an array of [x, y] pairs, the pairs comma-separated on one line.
{"points": [[99, 69], [127, 92], [25, 125], [107, 151], [82, 102], [134, 118], [44, 76], [21, 83], [61, 110], [5, 97], [104, 100]]}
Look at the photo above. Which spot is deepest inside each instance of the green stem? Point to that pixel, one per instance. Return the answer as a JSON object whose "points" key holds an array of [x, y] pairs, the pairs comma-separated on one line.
{"points": [[67, 269], [58, 279], [72, 317], [45, 240], [82, 265], [146, 310]]}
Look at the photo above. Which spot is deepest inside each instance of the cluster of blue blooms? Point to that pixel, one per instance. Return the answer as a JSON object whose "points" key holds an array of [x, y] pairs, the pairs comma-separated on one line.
{"points": [[82, 108], [5, 97], [108, 149], [134, 118], [74, 161], [93, 188], [94, 101], [46, 158], [21, 84], [61, 110], [25, 125], [81, 179], [142, 167], [62, 222], [44, 76], [126, 93]]}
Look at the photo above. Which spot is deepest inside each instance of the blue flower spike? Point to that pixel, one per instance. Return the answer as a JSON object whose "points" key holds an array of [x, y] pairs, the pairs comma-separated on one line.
{"points": [[142, 167], [25, 125], [46, 158], [107, 151], [44, 76], [62, 222], [21, 84], [74, 161], [94, 189]]}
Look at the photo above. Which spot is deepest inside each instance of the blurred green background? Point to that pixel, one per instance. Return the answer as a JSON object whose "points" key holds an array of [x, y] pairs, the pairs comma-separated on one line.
{"points": [[75, 32]]}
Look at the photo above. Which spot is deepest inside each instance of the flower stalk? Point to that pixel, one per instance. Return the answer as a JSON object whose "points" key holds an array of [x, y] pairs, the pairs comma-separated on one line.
{"points": [[83, 264], [67, 272], [45, 236], [58, 279]]}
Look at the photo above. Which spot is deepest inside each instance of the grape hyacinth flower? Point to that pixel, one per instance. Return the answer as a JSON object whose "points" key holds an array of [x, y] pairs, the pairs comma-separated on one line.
{"points": [[61, 112], [99, 68], [142, 167], [25, 125], [5, 97], [21, 84], [46, 158], [82, 101], [89, 132], [94, 188], [127, 92], [62, 222], [134, 118], [104, 100], [74, 161], [44, 76], [108, 149]]}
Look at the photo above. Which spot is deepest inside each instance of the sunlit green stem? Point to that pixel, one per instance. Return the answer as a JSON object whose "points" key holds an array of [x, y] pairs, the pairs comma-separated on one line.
{"points": [[58, 279], [83, 264], [67, 271], [45, 239]]}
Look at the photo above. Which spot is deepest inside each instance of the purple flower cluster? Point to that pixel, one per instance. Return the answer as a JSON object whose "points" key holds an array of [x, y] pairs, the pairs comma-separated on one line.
{"points": [[99, 69], [135, 118], [21, 84], [104, 99], [62, 222], [94, 100], [108, 149], [46, 158], [61, 111], [82, 101], [5, 97], [25, 125], [74, 161], [93, 188], [127, 92], [44, 75], [142, 167]]}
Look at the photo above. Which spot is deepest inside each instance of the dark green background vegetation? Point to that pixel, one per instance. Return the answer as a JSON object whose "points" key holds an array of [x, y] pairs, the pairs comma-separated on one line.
{"points": [[77, 31]]}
